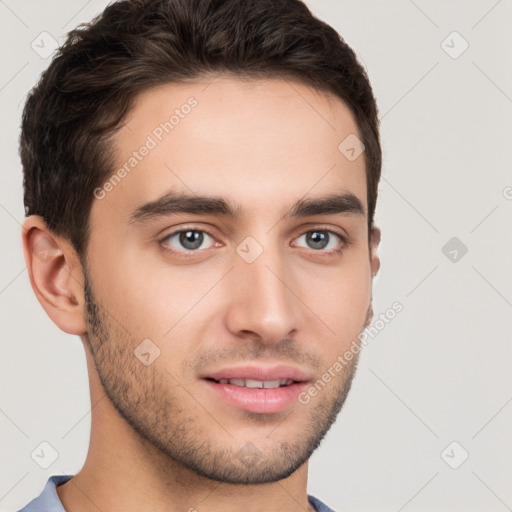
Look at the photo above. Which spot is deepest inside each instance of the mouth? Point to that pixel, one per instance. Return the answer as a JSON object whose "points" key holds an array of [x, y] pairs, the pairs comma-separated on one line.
{"points": [[256, 384], [257, 389]]}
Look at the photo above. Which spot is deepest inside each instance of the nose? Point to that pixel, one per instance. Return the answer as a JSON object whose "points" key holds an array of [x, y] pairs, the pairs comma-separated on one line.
{"points": [[263, 302]]}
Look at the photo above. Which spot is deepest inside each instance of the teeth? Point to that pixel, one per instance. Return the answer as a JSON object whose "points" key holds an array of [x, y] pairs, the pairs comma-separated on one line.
{"points": [[249, 383], [257, 384]]}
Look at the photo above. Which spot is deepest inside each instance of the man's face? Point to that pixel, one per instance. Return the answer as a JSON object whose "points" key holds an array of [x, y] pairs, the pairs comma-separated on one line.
{"points": [[246, 310]]}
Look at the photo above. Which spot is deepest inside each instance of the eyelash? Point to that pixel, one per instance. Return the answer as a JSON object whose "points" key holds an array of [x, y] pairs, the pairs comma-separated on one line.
{"points": [[345, 242]]}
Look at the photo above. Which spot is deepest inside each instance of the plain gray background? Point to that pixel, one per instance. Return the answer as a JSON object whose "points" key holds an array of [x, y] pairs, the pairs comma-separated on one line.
{"points": [[439, 373]]}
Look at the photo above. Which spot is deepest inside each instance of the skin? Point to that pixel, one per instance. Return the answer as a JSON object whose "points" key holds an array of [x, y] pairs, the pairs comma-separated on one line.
{"points": [[263, 145]]}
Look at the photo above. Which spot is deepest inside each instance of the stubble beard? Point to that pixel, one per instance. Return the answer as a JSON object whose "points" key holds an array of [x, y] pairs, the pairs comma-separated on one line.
{"points": [[143, 397]]}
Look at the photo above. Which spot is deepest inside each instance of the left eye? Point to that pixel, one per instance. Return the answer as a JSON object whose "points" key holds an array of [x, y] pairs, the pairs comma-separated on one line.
{"points": [[321, 240], [188, 239]]}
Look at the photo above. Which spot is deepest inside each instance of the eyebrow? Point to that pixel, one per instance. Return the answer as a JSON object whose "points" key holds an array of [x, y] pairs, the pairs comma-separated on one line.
{"points": [[178, 203]]}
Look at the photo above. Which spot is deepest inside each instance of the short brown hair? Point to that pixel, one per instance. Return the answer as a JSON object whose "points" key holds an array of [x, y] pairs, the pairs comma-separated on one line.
{"points": [[91, 83]]}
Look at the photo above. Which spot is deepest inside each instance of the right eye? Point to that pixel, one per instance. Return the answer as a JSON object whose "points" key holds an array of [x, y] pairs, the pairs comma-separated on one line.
{"points": [[187, 240]]}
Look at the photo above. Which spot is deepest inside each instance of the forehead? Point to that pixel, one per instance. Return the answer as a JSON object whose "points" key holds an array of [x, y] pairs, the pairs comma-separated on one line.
{"points": [[262, 143]]}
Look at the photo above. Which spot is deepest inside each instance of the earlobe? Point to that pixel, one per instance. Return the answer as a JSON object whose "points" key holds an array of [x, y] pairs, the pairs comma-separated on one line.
{"points": [[55, 275]]}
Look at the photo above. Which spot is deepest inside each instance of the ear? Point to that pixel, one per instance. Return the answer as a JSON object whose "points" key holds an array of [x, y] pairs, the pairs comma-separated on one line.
{"points": [[375, 266], [55, 274], [374, 244]]}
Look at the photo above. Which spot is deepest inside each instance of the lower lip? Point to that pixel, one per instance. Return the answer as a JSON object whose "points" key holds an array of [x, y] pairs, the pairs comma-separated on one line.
{"points": [[264, 401]]}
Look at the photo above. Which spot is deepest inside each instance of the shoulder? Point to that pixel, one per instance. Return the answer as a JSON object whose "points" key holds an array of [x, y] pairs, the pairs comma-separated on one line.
{"points": [[48, 500], [318, 505]]}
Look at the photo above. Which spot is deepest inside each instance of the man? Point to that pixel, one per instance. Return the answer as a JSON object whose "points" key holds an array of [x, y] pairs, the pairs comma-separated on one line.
{"points": [[200, 185]]}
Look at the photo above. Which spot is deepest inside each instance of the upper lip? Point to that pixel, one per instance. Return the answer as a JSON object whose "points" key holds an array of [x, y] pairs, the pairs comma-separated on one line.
{"points": [[262, 373]]}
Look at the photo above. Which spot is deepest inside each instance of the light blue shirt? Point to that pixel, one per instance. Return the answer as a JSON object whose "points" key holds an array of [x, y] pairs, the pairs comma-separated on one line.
{"points": [[48, 500]]}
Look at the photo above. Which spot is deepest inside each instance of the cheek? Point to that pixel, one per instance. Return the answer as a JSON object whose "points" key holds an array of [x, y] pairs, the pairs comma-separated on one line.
{"points": [[341, 299], [143, 298]]}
